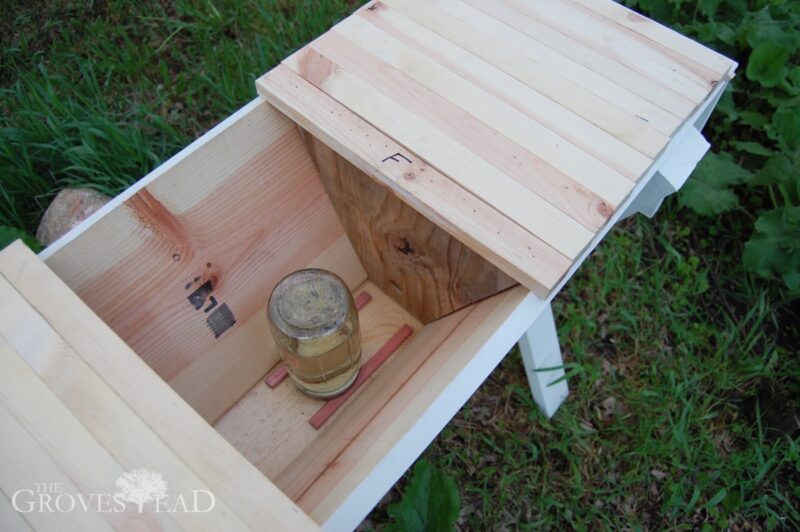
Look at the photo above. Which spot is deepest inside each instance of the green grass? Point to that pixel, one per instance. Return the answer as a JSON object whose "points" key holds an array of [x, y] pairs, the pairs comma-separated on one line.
{"points": [[684, 368], [681, 409]]}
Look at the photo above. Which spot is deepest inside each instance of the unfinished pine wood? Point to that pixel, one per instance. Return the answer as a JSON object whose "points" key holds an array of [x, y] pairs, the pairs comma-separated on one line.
{"points": [[77, 396], [615, 153], [548, 113], [10, 519], [604, 86], [497, 238], [233, 480], [188, 245], [468, 169], [41, 429], [427, 271], [653, 90], [508, 156], [666, 37], [625, 46], [613, 116], [270, 426], [491, 114], [428, 367]]}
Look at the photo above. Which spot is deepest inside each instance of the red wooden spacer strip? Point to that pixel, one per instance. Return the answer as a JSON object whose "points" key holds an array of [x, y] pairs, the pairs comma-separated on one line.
{"points": [[279, 372], [276, 376], [328, 409], [362, 299]]}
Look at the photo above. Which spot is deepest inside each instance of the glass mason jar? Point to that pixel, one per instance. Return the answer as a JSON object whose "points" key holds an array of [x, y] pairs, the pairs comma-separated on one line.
{"points": [[314, 321]]}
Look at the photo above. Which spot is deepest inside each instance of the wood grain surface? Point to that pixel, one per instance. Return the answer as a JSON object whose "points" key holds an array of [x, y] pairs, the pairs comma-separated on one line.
{"points": [[546, 112], [78, 405], [424, 269], [182, 268]]}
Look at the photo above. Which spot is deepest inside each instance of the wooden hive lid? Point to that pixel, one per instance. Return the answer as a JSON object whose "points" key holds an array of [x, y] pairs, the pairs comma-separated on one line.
{"points": [[517, 126]]}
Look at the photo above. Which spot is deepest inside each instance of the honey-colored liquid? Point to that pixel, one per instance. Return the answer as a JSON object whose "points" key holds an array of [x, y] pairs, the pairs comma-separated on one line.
{"points": [[325, 366], [315, 324]]}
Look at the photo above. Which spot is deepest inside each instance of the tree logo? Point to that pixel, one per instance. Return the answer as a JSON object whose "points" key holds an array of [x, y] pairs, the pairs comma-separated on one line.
{"points": [[141, 486]]}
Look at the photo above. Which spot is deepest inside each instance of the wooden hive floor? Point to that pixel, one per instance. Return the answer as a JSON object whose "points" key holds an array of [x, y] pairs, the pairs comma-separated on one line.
{"points": [[519, 127], [270, 426]]}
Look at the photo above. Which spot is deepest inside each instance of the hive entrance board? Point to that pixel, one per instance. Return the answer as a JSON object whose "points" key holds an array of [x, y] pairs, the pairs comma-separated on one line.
{"points": [[516, 127]]}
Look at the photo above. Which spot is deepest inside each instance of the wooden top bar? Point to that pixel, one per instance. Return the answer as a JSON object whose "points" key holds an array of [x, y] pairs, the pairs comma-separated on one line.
{"points": [[517, 126]]}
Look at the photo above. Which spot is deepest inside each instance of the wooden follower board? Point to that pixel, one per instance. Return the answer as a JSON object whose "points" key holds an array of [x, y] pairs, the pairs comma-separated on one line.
{"points": [[518, 127]]}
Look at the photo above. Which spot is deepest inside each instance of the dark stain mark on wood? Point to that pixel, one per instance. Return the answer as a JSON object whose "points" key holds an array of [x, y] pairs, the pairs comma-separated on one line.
{"points": [[212, 305], [221, 320], [405, 248], [198, 298]]}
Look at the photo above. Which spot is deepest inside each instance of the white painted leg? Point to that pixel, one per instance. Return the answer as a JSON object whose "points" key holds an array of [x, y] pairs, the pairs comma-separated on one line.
{"points": [[541, 355]]}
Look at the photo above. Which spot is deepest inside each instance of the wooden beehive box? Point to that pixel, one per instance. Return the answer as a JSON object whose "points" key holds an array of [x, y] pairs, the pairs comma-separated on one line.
{"points": [[449, 151]]}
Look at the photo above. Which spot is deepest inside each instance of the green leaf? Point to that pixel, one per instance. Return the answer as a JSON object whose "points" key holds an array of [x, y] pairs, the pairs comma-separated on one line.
{"points": [[708, 191], [767, 63], [774, 247], [793, 85], [10, 234], [753, 119], [776, 171], [430, 503], [717, 498], [752, 147], [786, 128]]}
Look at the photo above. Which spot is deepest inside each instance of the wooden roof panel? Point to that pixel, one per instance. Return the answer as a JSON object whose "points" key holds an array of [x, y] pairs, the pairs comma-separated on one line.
{"points": [[544, 114], [562, 120]]}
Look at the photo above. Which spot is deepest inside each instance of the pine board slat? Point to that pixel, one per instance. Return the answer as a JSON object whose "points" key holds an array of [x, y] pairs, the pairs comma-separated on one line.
{"points": [[609, 88], [624, 45], [227, 474], [650, 88], [33, 418], [615, 153], [612, 117], [445, 154], [500, 240], [75, 391], [662, 35], [466, 112]]}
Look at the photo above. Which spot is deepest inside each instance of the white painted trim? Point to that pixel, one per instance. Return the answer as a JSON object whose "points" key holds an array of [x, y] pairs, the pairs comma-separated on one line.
{"points": [[544, 365], [146, 180], [364, 498]]}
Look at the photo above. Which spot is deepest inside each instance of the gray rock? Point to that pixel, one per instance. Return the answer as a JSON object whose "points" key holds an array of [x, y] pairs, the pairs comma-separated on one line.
{"points": [[70, 207]]}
